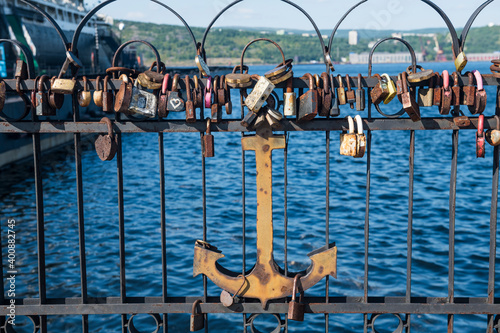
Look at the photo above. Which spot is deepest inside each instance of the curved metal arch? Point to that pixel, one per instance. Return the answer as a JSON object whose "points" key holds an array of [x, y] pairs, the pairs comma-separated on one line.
{"points": [[52, 21], [260, 40], [120, 49], [89, 15], [469, 23], [330, 40], [205, 34], [27, 54], [408, 46]]}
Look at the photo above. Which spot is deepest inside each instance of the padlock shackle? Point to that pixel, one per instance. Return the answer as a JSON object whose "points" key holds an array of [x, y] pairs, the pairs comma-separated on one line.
{"points": [[408, 46], [108, 122], [41, 81], [187, 82], [105, 84], [479, 79], [295, 289], [28, 55], [97, 83], [201, 46], [326, 82], [120, 49], [83, 23], [351, 125], [471, 79], [480, 126], [341, 83], [359, 124], [85, 84], [497, 118], [348, 80], [164, 84], [446, 80], [193, 308], [310, 78], [330, 40], [468, 25], [175, 82], [258, 40], [209, 123], [208, 93]]}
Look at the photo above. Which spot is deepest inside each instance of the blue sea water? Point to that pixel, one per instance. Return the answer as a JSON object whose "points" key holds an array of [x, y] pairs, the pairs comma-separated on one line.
{"points": [[306, 217]]}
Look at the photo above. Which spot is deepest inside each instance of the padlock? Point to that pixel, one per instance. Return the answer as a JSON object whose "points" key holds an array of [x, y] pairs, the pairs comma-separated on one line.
{"points": [[67, 86], [392, 89], [493, 135], [335, 109], [326, 96], [175, 102], [456, 91], [426, 95], [260, 119], [317, 84], [350, 95], [107, 97], [447, 95], [106, 145], [239, 80], [98, 92], [399, 87], [207, 95], [438, 90], [151, 79], [215, 108], [208, 142], [225, 297], [143, 102], [84, 97], [249, 119], [124, 96], [21, 70], [481, 98], [198, 96], [308, 102], [42, 99], [349, 141], [259, 94], [197, 320], [190, 114], [229, 103], [296, 309], [480, 139], [221, 92], [381, 90], [163, 100], [361, 138], [423, 75], [341, 91], [409, 103], [56, 101], [460, 62], [273, 117], [360, 95], [200, 62], [290, 100], [469, 91]]}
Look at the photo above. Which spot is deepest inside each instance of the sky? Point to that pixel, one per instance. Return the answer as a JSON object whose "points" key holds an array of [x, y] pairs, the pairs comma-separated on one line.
{"points": [[374, 14]]}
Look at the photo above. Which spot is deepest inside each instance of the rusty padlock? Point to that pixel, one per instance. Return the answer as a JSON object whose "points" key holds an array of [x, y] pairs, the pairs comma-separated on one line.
{"points": [[481, 98], [290, 100], [349, 140], [106, 145], [84, 97], [190, 114], [469, 91], [107, 97], [350, 94], [163, 100], [447, 95], [438, 90], [175, 102], [360, 95], [56, 100], [263, 88], [426, 95], [296, 309], [341, 91], [409, 103], [456, 91], [480, 138], [42, 99], [493, 135], [124, 95], [335, 109], [326, 103], [216, 108], [380, 92], [308, 102], [361, 138], [197, 320], [208, 142]]}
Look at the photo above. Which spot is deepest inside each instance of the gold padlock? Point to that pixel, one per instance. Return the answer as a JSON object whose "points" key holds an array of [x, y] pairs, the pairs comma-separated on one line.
{"points": [[460, 62]]}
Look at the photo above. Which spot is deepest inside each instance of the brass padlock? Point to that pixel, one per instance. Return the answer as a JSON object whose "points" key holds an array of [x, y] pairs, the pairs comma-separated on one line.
{"points": [[151, 79], [197, 320], [381, 90], [447, 96], [84, 97], [460, 62], [296, 309], [190, 114], [163, 101], [361, 138], [341, 91], [349, 141], [409, 103], [106, 145], [56, 101], [107, 97], [259, 94], [426, 95], [493, 135], [208, 142], [308, 102], [417, 77], [350, 95], [98, 92], [360, 95], [67, 86], [239, 80], [290, 100], [469, 91], [481, 98], [392, 89]]}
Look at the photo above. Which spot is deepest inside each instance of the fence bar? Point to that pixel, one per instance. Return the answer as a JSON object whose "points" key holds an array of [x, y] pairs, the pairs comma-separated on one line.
{"points": [[410, 224], [493, 224], [286, 202], [367, 220], [327, 224], [163, 227], [453, 197], [243, 204], [204, 198], [81, 215]]}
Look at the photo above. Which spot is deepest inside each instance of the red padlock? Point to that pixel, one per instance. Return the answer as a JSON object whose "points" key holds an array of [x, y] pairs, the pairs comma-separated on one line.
{"points": [[480, 139]]}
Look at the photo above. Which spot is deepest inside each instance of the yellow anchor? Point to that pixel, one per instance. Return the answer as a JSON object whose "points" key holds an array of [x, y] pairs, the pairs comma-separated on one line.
{"points": [[266, 280]]}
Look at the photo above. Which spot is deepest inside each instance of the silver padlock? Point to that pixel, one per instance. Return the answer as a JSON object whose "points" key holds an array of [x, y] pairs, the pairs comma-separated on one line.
{"points": [[263, 88], [143, 102]]}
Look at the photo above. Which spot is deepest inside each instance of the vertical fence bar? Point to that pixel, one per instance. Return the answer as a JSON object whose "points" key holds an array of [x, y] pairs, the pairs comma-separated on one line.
{"points": [[163, 227], [121, 226], [286, 203], [493, 225], [204, 198], [453, 197], [81, 215], [410, 225], [327, 223], [40, 227], [243, 204], [367, 221]]}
